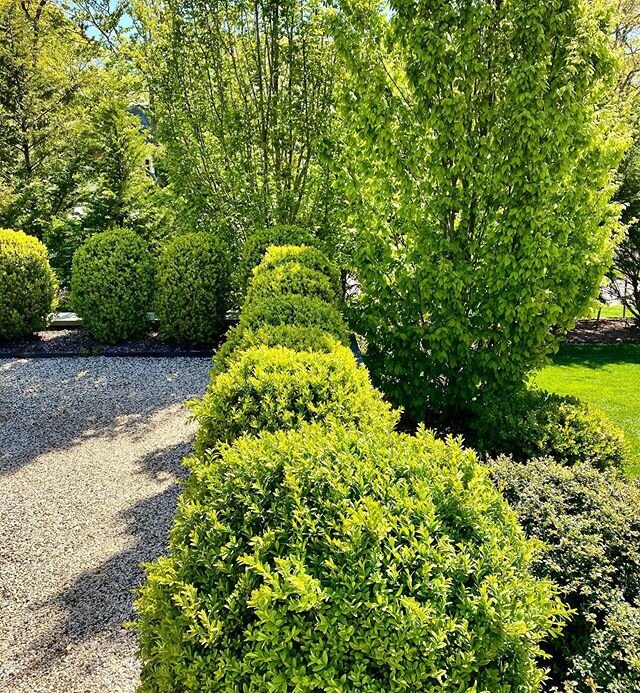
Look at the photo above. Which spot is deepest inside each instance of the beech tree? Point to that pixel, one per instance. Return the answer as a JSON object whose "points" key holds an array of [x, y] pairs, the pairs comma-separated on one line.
{"points": [[482, 140]]}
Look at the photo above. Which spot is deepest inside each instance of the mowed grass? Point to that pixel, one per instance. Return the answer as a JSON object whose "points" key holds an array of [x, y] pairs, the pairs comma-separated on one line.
{"points": [[606, 376], [606, 311]]}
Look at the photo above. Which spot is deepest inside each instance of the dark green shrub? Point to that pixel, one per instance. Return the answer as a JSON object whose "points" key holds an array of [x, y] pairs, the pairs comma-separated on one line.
{"points": [[290, 336], [27, 285], [337, 560], [590, 523], [112, 285], [273, 388], [292, 278], [298, 311], [257, 243], [193, 289], [308, 257], [535, 423]]}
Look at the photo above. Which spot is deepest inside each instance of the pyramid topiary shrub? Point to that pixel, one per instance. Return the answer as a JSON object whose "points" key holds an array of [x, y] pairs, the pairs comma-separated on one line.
{"points": [[340, 560], [27, 285], [112, 285], [193, 289]]}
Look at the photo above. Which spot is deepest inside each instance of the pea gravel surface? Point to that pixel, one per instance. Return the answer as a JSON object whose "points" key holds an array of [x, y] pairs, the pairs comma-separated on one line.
{"points": [[90, 460]]}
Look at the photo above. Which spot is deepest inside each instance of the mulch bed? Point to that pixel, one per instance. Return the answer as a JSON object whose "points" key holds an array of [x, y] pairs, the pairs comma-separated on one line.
{"points": [[605, 331], [78, 342]]}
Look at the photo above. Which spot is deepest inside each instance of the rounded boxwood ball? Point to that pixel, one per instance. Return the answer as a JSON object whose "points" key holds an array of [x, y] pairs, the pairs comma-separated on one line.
{"points": [[193, 289], [112, 285], [27, 285]]}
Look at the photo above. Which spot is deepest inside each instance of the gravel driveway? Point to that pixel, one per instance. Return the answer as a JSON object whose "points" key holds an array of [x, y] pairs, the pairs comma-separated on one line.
{"points": [[90, 452]]}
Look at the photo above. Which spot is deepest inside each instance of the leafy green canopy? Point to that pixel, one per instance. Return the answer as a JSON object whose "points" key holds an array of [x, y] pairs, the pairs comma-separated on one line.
{"points": [[27, 285], [480, 152], [336, 560]]}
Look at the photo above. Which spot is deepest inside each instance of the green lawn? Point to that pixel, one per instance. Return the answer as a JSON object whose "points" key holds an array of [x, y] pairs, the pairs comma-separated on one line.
{"points": [[609, 312], [606, 376]]}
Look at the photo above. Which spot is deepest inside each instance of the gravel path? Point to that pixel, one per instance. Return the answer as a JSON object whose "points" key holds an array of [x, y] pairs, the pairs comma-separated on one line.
{"points": [[90, 453]]}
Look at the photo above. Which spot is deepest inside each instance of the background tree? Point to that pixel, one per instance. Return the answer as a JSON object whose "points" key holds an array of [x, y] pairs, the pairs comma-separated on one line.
{"points": [[242, 95], [480, 150], [45, 62]]}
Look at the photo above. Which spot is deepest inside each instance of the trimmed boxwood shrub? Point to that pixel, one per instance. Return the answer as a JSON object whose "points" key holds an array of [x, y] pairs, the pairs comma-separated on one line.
{"points": [[292, 278], [590, 524], [112, 285], [274, 388], [299, 311], [257, 243], [535, 423], [193, 289], [27, 285], [337, 560], [304, 255], [290, 336]]}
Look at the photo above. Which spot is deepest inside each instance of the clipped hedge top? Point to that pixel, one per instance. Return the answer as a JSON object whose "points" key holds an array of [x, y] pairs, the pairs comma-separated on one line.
{"points": [[292, 278], [298, 311], [304, 255], [338, 560], [272, 388]]}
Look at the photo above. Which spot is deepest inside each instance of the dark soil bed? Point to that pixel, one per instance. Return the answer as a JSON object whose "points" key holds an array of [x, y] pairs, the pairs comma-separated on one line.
{"points": [[605, 331], [78, 342]]}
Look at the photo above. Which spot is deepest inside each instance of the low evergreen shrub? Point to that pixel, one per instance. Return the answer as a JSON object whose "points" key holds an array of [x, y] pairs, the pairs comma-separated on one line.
{"points": [[275, 388], [193, 289], [27, 285], [309, 257], [535, 423], [292, 278], [112, 285], [590, 524], [257, 243], [290, 336], [339, 560], [296, 311]]}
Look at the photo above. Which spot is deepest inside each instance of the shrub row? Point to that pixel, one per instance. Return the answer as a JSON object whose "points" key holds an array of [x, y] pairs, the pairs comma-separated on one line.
{"points": [[316, 549]]}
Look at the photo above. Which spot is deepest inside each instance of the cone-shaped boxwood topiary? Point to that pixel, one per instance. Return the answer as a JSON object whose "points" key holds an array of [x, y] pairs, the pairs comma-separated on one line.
{"points": [[292, 278], [27, 285], [340, 560], [274, 388], [193, 289], [112, 285], [590, 524], [536, 423], [290, 336], [257, 243]]}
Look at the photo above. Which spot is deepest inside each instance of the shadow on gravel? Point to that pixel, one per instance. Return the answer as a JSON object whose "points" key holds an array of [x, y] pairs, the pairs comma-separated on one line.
{"points": [[49, 405], [102, 599]]}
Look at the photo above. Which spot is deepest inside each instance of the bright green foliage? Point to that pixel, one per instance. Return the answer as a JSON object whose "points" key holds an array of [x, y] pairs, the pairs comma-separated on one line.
{"points": [[337, 560], [256, 246], [590, 523], [292, 278], [304, 255], [193, 289], [289, 336], [275, 388], [112, 285], [480, 151], [297, 311], [535, 423], [27, 285], [244, 102]]}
